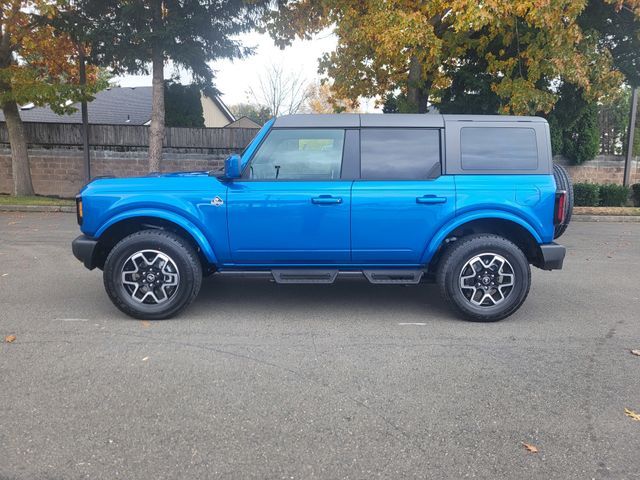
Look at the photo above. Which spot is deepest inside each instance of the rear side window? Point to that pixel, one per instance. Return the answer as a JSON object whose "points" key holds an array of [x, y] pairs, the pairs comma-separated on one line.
{"points": [[299, 154], [495, 148], [399, 154]]}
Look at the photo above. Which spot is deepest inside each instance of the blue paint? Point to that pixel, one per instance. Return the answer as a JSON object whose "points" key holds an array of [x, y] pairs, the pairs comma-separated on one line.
{"points": [[349, 224]]}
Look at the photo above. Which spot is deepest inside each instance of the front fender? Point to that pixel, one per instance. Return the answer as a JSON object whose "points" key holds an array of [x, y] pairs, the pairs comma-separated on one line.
{"points": [[169, 216], [469, 217]]}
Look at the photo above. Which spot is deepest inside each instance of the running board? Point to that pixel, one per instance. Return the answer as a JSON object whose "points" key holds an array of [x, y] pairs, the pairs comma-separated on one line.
{"points": [[406, 277], [304, 276]]}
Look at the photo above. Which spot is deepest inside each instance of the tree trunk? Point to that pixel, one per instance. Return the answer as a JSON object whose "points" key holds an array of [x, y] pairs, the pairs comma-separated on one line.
{"points": [[156, 129], [19, 155], [418, 87]]}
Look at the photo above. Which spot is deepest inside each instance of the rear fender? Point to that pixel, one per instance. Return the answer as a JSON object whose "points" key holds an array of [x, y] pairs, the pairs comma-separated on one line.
{"points": [[456, 222]]}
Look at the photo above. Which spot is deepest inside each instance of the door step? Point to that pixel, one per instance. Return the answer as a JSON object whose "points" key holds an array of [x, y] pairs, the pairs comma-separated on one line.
{"points": [[304, 276], [406, 277]]}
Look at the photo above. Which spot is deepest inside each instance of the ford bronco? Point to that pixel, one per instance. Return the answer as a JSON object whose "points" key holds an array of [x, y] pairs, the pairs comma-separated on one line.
{"points": [[469, 201]]}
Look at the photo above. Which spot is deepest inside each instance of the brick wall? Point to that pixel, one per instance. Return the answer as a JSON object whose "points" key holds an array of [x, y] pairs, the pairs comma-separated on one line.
{"points": [[58, 172], [602, 169]]}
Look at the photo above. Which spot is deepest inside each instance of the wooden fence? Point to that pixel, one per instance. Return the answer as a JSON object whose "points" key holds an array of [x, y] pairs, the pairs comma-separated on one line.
{"points": [[70, 134]]}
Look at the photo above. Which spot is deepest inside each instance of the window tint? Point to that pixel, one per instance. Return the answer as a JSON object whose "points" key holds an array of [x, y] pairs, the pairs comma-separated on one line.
{"points": [[299, 154], [395, 153], [495, 148]]}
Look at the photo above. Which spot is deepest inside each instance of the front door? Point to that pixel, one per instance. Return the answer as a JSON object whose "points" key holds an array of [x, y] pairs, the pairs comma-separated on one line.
{"points": [[291, 205], [402, 199]]}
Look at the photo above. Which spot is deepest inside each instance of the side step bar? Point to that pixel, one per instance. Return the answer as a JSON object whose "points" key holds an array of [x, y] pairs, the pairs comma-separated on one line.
{"points": [[402, 277], [304, 276], [405, 277]]}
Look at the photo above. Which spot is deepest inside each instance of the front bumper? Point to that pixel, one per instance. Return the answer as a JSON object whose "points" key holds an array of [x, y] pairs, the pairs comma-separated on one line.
{"points": [[552, 256], [83, 249]]}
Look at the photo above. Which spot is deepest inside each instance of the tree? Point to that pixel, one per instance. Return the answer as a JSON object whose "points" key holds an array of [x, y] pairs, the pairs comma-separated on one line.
{"points": [[282, 92], [183, 106], [38, 65], [139, 36], [258, 113], [414, 47], [322, 99]]}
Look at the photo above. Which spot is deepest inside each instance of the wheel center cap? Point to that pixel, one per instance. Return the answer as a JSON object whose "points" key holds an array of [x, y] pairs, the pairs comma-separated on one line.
{"points": [[151, 277], [486, 280]]}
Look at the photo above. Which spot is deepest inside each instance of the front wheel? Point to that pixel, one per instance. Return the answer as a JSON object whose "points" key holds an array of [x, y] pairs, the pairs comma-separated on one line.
{"points": [[152, 274], [484, 277]]}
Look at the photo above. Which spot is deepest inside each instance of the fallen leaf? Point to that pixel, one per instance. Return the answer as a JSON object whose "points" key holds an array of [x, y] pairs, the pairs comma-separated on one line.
{"points": [[635, 352], [530, 448], [145, 359], [5, 274], [146, 323], [631, 414], [10, 338]]}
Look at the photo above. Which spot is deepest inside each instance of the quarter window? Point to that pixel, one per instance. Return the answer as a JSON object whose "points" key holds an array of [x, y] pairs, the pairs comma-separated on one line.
{"points": [[496, 148], [399, 154], [299, 154]]}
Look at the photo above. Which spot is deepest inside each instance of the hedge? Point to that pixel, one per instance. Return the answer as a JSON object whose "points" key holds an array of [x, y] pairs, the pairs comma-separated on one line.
{"points": [[586, 194], [636, 194], [613, 195], [594, 195]]}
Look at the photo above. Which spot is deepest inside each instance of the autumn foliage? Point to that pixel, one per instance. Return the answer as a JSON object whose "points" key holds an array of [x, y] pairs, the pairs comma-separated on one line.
{"points": [[406, 45]]}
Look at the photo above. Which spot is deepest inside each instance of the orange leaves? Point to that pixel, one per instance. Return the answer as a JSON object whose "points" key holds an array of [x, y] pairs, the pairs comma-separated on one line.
{"points": [[542, 39], [10, 338], [530, 448], [48, 73]]}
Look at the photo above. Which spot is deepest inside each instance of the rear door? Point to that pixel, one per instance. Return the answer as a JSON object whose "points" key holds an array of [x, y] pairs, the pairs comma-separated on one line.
{"points": [[292, 205], [401, 199]]}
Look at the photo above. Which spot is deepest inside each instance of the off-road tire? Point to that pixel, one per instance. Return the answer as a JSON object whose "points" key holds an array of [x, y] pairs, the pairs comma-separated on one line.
{"points": [[453, 261], [563, 182], [168, 243]]}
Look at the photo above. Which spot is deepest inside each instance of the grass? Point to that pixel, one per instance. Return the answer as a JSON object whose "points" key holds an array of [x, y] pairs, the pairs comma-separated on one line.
{"points": [[35, 200], [626, 211]]}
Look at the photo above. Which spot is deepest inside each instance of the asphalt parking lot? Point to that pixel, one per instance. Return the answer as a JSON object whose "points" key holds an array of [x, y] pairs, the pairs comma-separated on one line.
{"points": [[351, 380]]}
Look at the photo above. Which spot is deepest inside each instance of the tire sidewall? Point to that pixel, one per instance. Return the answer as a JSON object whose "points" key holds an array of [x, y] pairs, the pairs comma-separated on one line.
{"points": [[121, 253], [514, 299]]}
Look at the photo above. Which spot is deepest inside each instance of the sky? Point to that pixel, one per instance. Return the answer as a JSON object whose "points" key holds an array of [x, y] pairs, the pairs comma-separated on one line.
{"points": [[235, 77]]}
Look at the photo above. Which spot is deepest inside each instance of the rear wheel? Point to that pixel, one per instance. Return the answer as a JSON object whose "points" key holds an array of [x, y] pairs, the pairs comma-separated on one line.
{"points": [[152, 274], [484, 277], [563, 182]]}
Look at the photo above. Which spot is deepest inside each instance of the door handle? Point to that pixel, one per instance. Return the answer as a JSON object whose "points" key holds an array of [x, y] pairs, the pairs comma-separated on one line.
{"points": [[431, 199], [326, 200]]}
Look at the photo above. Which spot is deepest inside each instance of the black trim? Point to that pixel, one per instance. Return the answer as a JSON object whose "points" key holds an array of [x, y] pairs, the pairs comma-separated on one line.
{"points": [[83, 248], [552, 256]]}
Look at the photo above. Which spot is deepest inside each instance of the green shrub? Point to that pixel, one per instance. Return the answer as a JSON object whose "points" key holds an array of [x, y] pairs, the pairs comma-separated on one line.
{"points": [[636, 194], [581, 141], [586, 194], [613, 195]]}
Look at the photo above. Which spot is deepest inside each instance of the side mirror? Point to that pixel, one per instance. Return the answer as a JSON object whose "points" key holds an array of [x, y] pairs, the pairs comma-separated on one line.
{"points": [[232, 167]]}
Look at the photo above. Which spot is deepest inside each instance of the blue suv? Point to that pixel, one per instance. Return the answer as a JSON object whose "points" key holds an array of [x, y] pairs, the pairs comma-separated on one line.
{"points": [[469, 201]]}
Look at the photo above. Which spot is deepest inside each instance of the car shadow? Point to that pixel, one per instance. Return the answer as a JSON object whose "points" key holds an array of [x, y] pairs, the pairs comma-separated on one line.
{"points": [[348, 297]]}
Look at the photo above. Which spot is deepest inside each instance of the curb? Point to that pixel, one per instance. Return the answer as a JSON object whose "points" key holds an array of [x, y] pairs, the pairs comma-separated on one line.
{"points": [[606, 218], [38, 208]]}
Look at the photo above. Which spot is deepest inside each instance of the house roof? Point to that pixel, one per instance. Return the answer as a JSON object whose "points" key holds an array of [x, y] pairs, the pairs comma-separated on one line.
{"points": [[114, 106], [243, 122]]}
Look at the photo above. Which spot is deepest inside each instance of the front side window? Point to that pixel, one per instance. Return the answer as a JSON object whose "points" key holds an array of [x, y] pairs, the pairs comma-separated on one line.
{"points": [[299, 154], [399, 154], [498, 148]]}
